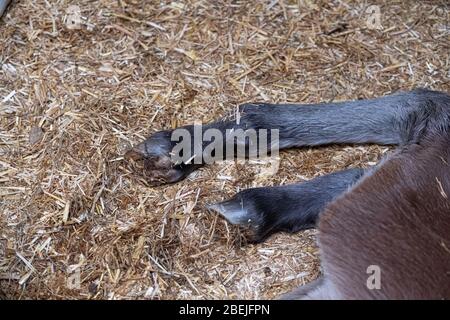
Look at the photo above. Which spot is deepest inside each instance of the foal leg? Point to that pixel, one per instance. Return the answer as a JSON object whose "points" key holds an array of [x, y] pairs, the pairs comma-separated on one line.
{"points": [[288, 208], [392, 119]]}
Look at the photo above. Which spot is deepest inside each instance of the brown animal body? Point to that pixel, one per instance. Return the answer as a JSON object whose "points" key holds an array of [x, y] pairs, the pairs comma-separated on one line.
{"points": [[397, 219]]}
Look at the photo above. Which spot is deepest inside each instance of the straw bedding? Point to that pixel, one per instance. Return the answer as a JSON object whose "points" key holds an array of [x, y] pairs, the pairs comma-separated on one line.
{"points": [[72, 101]]}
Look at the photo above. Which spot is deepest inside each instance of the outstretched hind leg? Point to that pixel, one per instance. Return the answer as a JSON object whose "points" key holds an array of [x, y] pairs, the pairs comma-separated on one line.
{"points": [[289, 208]]}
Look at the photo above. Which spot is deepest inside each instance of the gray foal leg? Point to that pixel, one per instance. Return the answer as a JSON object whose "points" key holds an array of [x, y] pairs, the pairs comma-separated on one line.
{"points": [[394, 119], [288, 208]]}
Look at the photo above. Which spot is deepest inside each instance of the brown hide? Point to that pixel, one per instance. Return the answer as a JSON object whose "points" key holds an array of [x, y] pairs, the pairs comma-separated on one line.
{"points": [[397, 218]]}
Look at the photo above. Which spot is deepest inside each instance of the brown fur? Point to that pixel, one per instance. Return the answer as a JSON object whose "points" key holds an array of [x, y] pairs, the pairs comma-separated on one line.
{"points": [[397, 218]]}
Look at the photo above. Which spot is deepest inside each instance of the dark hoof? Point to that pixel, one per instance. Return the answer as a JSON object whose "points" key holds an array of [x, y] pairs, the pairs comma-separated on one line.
{"points": [[240, 210], [153, 156]]}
